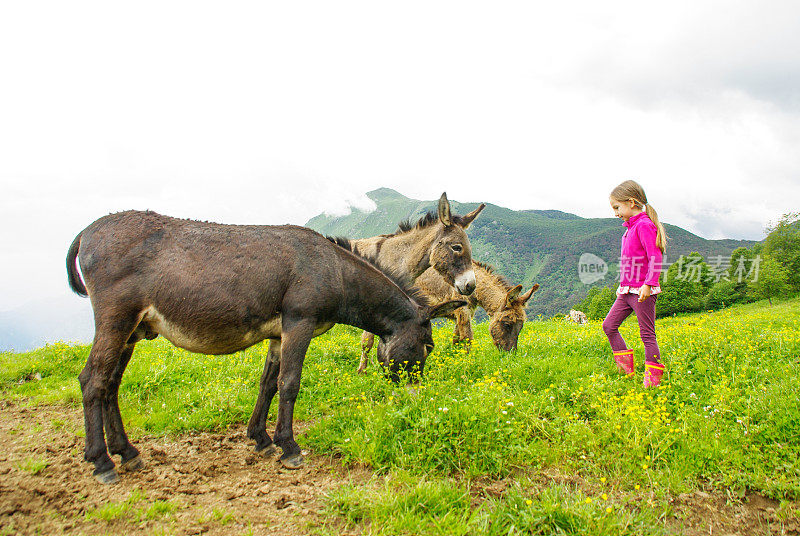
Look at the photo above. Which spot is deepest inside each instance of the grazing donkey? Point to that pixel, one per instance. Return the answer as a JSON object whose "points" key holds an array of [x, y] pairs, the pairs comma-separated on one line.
{"points": [[217, 289], [438, 240], [502, 302]]}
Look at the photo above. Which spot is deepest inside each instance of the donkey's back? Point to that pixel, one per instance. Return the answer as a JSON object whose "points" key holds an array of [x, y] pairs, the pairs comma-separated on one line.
{"points": [[206, 287]]}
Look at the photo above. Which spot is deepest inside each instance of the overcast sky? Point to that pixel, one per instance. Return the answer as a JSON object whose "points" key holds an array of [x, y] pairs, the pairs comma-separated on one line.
{"points": [[272, 112]]}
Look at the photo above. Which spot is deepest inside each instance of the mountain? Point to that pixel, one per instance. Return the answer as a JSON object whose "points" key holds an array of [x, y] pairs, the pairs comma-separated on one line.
{"points": [[526, 246]]}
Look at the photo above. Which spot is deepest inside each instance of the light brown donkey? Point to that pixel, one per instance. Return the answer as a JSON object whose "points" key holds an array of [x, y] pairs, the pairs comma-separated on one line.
{"points": [[438, 240], [501, 300]]}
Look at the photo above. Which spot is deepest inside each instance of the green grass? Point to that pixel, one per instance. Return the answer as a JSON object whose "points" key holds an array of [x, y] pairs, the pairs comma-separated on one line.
{"points": [[134, 509], [727, 416], [33, 466], [728, 413], [407, 505], [223, 517]]}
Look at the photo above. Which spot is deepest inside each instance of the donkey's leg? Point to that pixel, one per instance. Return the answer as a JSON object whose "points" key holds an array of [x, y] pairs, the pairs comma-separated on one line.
{"points": [[95, 379], [468, 336], [367, 341], [463, 329], [295, 338], [116, 437], [257, 427]]}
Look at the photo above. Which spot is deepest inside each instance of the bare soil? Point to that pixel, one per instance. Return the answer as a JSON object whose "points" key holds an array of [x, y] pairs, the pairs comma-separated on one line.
{"points": [[213, 483]]}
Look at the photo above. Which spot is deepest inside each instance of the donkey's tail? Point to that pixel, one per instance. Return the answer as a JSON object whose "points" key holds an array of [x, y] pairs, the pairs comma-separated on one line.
{"points": [[75, 282]]}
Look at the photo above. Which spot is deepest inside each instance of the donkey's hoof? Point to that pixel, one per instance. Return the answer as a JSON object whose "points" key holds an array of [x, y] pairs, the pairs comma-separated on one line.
{"points": [[267, 451], [293, 462], [109, 477], [134, 464]]}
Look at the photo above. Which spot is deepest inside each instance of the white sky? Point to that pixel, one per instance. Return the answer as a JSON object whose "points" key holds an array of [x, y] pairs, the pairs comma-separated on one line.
{"points": [[272, 112]]}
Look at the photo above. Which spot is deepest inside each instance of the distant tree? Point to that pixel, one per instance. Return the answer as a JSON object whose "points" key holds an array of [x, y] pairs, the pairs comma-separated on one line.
{"points": [[722, 294], [783, 245], [684, 286], [741, 269], [692, 268], [584, 304], [601, 303], [772, 280]]}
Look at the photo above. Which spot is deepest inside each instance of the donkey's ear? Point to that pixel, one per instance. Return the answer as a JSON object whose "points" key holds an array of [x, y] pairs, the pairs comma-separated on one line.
{"points": [[512, 294], [527, 296], [443, 309], [444, 210], [466, 219]]}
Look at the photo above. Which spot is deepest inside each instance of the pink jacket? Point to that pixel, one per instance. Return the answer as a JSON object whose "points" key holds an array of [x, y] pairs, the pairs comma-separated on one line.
{"points": [[640, 259]]}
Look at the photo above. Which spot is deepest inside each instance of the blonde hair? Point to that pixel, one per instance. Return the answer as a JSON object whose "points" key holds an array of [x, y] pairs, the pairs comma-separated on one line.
{"points": [[633, 191]]}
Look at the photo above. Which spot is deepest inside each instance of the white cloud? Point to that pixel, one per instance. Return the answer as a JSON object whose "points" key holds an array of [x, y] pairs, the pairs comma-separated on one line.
{"points": [[264, 113]]}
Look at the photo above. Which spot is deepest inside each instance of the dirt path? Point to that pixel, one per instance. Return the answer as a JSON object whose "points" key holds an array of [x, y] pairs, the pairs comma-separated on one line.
{"points": [[213, 483], [203, 483]]}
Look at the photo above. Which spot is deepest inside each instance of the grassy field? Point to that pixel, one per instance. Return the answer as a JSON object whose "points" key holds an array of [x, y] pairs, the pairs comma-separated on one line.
{"points": [[574, 447]]}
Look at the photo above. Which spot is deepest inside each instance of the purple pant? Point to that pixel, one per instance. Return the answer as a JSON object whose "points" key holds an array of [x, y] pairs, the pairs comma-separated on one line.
{"points": [[645, 314]]}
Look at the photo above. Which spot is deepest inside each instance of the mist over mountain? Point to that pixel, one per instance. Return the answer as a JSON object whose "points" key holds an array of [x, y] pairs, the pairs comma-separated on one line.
{"points": [[526, 246], [64, 318]]}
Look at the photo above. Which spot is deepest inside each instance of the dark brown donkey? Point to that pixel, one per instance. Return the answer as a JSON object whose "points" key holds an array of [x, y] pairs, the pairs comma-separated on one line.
{"points": [[501, 300], [438, 240], [217, 289]]}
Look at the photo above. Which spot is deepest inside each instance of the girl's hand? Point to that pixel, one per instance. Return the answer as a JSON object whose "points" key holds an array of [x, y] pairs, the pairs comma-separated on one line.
{"points": [[644, 293]]}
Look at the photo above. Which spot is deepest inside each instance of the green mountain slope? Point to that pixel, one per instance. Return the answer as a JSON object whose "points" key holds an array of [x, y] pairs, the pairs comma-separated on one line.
{"points": [[526, 246]]}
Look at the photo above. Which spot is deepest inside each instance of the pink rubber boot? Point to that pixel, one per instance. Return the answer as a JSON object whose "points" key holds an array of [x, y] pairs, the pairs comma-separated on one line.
{"points": [[652, 374], [624, 360]]}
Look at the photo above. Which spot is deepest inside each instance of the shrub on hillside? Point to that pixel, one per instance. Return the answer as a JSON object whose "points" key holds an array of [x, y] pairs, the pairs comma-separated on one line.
{"points": [[600, 304], [722, 294], [587, 301], [741, 267], [684, 286], [772, 281], [783, 245]]}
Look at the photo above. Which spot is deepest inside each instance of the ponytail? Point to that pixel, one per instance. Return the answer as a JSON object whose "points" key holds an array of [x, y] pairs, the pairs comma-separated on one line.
{"points": [[661, 236]]}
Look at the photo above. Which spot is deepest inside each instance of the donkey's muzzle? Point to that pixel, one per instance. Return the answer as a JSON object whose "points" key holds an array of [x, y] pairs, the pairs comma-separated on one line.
{"points": [[506, 346], [465, 283]]}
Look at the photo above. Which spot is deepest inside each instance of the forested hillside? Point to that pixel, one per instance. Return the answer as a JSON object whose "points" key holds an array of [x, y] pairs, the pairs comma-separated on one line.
{"points": [[526, 246]]}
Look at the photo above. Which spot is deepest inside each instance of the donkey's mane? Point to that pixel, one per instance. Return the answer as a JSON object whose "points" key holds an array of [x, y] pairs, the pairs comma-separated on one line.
{"points": [[491, 270], [394, 275], [342, 242], [425, 221]]}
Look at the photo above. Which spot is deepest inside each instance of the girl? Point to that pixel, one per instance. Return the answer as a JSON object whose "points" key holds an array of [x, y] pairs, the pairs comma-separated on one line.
{"points": [[643, 246]]}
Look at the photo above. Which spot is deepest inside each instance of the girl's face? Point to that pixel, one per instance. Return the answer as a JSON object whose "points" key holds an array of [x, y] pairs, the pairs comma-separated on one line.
{"points": [[624, 209]]}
